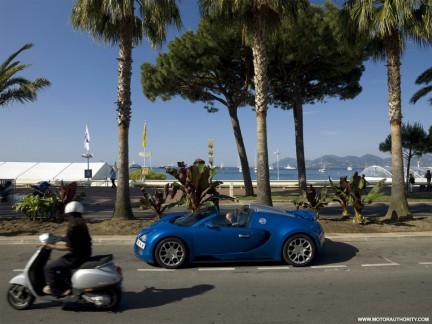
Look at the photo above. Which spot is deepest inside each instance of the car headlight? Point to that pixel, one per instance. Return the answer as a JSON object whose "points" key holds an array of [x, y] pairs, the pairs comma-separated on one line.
{"points": [[143, 237]]}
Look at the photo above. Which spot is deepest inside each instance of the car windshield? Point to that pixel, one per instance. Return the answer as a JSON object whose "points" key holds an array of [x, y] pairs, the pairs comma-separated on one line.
{"points": [[193, 218]]}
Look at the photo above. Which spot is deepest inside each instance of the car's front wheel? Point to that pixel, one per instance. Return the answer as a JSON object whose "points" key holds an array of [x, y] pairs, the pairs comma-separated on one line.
{"points": [[171, 253], [299, 250]]}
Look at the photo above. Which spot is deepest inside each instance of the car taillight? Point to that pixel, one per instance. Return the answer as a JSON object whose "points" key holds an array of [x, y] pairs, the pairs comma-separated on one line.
{"points": [[119, 270]]}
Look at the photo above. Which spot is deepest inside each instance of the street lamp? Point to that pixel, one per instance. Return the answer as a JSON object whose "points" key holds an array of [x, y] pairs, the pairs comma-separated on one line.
{"points": [[277, 161]]}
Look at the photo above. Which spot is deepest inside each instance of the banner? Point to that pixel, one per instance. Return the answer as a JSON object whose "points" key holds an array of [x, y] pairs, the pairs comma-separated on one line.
{"points": [[144, 136], [87, 139]]}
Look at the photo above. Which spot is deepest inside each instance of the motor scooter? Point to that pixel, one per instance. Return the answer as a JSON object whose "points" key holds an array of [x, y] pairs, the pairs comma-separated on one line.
{"points": [[97, 281]]}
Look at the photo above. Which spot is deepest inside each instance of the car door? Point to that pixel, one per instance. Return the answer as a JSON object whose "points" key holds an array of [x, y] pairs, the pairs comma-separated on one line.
{"points": [[210, 239]]}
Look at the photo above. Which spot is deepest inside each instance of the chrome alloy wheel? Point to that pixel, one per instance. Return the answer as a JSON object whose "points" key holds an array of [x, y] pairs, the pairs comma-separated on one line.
{"points": [[171, 253], [299, 250]]}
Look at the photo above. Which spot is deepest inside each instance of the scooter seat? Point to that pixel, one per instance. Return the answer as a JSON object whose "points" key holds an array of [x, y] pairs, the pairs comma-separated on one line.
{"points": [[96, 260]]}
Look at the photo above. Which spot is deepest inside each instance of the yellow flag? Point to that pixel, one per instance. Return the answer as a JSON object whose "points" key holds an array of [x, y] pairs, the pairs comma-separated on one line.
{"points": [[144, 136]]}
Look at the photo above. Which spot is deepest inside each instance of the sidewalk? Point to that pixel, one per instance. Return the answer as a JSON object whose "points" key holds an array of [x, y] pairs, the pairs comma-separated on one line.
{"points": [[99, 203]]}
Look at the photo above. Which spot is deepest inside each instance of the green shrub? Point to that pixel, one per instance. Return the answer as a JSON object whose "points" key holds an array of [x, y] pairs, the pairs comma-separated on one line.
{"points": [[151, 175]]}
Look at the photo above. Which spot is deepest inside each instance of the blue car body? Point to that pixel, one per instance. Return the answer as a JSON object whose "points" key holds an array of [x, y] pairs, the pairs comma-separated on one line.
{"points": [[259, 234]]}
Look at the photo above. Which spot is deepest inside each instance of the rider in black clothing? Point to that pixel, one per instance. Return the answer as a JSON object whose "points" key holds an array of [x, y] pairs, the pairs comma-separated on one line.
{"points": [[78, 245]]}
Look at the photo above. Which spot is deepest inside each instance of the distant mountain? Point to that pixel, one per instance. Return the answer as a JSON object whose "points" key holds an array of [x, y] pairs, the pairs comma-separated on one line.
{"points": [[333, 161]]}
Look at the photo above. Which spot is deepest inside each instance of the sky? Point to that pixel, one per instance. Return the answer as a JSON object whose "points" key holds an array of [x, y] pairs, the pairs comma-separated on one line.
{"points": [[83, 74]]}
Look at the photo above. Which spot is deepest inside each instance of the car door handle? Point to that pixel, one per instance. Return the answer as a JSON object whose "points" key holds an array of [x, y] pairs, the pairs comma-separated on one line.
{"points": [[244, 236]]}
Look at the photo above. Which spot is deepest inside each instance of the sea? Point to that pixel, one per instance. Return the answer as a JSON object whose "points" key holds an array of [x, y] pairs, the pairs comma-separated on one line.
{"points": [[233, 174]]}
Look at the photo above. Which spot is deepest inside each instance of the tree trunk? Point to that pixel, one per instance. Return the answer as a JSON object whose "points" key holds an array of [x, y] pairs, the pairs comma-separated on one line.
{"points": [[241, 151], [123, 209], [261, 97], [299, 140], [398, 207]]}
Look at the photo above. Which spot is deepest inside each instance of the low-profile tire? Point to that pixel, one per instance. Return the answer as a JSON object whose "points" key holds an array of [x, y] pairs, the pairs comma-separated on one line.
{"points": [[171, 253], [299, 250], [20, 297]]}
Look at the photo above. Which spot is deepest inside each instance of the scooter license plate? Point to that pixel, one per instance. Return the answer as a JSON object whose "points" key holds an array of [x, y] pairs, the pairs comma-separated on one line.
{"points": [[141, 244]]}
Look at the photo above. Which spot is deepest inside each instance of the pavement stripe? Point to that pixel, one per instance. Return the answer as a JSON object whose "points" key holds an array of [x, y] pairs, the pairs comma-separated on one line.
{"points": [[379, 264], [155, 270], [273, 268], [216, 269], [329, 266], [425, 263]]}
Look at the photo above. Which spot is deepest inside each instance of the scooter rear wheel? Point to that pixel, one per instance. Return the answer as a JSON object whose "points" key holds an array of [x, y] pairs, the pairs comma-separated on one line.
{"points": [[114, 295], [20, 297]]}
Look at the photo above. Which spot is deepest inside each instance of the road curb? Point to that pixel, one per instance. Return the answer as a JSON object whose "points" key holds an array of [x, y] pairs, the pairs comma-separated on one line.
{"points": [[130, 239]]}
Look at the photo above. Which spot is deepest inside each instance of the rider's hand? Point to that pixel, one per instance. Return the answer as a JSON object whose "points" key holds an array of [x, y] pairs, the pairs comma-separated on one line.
{"points": [[46, 245]]}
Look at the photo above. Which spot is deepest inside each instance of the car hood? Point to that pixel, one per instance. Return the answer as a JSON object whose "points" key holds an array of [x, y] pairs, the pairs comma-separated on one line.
{"points": [[303, 214]]}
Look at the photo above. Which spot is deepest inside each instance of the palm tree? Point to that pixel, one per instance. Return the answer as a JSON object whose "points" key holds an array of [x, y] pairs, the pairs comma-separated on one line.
{"points": [[114, 22], [257, 19], [388, 24], [426, 78], [15, 88]]}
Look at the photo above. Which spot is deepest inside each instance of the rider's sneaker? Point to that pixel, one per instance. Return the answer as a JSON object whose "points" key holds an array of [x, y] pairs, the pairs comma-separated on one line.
{"points": [[47, 290], [66, 293]]}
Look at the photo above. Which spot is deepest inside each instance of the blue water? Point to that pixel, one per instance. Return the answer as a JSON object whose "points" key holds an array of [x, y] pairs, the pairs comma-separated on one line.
{"points": [[232, 173]]}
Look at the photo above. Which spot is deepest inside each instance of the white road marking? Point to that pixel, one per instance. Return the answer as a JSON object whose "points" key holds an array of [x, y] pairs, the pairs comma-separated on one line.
{"points": [[155, 270], [18, 270], [216, 269], [390, 263], [329, 266], [273, 268], [425, 263], [379, 264]]}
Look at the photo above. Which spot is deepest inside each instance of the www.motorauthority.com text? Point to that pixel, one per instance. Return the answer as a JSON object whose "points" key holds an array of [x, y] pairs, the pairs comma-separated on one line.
{"points": [[390, 319]]}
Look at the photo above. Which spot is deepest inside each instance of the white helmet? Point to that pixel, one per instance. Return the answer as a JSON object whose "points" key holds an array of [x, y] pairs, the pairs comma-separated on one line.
{"points": [[74, 207]]}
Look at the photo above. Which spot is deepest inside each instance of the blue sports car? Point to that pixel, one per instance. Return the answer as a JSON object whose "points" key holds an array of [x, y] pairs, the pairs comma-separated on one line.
{"points": [[252, 232]]}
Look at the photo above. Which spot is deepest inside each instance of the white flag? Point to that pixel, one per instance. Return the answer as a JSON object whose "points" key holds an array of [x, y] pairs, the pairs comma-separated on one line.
{"points": [[87, 139]]}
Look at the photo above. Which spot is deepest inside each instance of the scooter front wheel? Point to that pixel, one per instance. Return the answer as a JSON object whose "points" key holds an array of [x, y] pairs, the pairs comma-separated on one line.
{"points": [[20, 297]]}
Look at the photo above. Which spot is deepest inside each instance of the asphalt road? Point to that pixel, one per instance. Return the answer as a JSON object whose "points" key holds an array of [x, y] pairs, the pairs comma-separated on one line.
{"points": [[383, 279]]}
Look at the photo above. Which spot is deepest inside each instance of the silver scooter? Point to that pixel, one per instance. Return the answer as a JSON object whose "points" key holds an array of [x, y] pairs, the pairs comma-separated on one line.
{"points": [[97, 281]]}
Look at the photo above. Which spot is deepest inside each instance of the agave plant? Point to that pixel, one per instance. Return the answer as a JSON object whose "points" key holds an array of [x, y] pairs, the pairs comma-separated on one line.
{"points": [[313, 200], [157, 202], [196, 183]]}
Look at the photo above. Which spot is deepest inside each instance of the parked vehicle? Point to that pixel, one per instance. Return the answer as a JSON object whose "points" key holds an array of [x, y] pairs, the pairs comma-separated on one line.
{"points": [[97, 281], [258, 233]]}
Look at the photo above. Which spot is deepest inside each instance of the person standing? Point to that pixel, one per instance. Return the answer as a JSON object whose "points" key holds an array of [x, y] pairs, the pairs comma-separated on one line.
{"points": [[113, 177], [428, 180], [411, 182]]}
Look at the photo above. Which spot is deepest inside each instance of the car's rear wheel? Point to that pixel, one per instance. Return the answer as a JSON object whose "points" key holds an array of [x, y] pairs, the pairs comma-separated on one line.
{"points": [[171, 253], [299, 250]]}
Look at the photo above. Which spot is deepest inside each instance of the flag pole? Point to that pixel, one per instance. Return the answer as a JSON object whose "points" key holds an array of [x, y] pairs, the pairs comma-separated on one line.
{"points": [[144, 144]]}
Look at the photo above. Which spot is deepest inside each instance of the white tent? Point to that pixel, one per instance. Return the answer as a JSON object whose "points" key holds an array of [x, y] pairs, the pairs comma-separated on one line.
{"points": [[34, 172]]}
